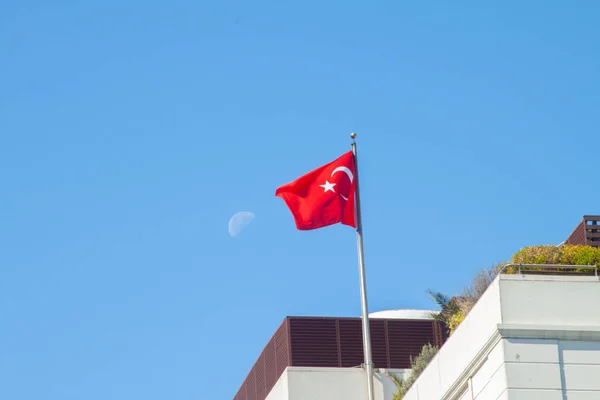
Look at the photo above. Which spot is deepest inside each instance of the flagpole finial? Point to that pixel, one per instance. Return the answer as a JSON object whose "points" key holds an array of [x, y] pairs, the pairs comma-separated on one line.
{"points": [[353, 135]]}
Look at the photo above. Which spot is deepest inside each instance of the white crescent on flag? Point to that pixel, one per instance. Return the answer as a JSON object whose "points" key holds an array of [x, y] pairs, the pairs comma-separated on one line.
{"points": [[348, 172]]}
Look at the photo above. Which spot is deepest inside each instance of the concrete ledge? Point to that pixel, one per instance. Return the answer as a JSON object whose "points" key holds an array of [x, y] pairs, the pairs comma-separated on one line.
{"points": [[590, 333]]}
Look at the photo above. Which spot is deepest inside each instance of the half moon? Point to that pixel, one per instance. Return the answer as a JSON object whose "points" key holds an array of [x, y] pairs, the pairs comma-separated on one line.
{"points": [[239, 221]]}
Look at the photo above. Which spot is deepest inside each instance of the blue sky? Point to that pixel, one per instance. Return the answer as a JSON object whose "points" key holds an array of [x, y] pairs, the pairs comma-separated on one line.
{"points": [[130, 132]]}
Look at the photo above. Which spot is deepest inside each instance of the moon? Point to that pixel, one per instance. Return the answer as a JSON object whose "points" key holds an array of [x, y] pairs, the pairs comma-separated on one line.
{"points": [[239, 221], [348, 172]]}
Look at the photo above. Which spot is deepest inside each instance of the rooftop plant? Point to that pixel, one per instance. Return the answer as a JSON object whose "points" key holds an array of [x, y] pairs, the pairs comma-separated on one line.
{"points": [[455, 309], [417, 365], [565, 254]]}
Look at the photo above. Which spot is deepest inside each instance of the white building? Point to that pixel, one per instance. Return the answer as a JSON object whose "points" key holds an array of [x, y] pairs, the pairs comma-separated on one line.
{"points": [[300, 383], [320, 357], [529, 337], [308, 383]]}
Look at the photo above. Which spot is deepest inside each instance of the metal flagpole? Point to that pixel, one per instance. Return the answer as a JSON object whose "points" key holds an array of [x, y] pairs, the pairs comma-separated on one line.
{"points": [[363, 281]]}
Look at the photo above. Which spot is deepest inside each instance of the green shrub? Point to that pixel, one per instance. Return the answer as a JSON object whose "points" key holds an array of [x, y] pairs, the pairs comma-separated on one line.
{"points": [[455, 309], [417, 365], [456, 319], [580, 255], [565, 254], [538, 255]]}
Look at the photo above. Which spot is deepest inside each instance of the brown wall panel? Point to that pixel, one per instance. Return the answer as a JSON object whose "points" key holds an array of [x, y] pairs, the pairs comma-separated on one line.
{"points": [[271, 375], [586, 232], [251, 385], [578, 235], [378, 343], [406, 339], [282, 347], [351, 342], [261, 386], [336, 342], [313, 342]]}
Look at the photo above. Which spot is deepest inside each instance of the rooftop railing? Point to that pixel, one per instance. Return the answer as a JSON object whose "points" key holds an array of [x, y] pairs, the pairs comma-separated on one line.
{"points": [[552, 269]]}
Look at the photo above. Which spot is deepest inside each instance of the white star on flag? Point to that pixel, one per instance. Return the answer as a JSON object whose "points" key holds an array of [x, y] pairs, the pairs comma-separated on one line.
{"points": [[328, 186]]}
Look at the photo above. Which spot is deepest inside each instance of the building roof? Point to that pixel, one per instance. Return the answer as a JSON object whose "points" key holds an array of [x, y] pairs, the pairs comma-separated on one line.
{"points": [[337, 342], [403, 314], [505, 340], [587, 232]]}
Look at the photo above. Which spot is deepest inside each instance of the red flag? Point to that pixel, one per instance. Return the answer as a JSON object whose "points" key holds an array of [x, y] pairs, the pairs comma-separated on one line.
{"points": [[324, 196]]}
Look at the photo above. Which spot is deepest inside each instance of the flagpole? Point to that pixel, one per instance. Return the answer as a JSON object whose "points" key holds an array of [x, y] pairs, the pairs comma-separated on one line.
{"points": [[363, 281]]}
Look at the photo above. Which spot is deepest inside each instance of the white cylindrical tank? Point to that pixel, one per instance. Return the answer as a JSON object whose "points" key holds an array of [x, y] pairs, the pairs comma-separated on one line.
{"points": [[403, 314]]}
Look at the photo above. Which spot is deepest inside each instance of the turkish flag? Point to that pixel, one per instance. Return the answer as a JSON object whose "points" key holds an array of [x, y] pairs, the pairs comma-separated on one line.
{"points": [[324, 196]]}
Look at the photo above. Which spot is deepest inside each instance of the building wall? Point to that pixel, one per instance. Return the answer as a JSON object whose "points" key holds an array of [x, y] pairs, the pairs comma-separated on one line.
{"points": [[468, 343], [280, 390], [552, 369], [304, 383], [489, 381], [550, 301], [542, 343], [537, 369]]}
